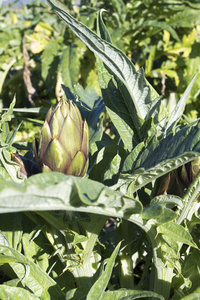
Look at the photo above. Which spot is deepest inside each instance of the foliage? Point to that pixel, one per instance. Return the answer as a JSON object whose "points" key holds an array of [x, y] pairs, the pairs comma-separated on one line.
{"points": [[160, 37], [122, 231]]}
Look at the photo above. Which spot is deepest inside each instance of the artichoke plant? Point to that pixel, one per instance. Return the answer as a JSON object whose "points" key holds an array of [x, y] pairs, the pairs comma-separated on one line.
{"points": [[64, 141]]}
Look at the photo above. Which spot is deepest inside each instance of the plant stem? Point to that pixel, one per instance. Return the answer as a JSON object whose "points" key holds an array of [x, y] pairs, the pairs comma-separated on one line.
{"points": [[126, 274], [84, 273], [161, 276]]}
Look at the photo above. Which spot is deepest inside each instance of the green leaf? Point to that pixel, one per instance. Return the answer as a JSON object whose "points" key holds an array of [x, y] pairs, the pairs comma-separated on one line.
{"points": [[160, 213], [124, 294], [32, 275], [185, 18], [132, 157], [97, 290], [101, 28], [108, 164], [32, 249], [6, 117], [180, 107], [50, 51], [4, 73], [177, 233], [162, 26], [135, 91], [17, 293], [49, 63], [11, 228], [91, 111], [162, 157], [167, 200], [190, 198], [69, 66], [12, 168], [56, 191], [193, 296]]}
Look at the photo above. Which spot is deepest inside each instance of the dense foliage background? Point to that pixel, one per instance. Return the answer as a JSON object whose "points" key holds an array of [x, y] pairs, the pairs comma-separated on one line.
{"points": [[140, 179], [162, 37]]}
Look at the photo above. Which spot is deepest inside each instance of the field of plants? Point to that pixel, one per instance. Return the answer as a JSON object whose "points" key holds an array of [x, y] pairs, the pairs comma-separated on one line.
{"points": [[99, 150]]}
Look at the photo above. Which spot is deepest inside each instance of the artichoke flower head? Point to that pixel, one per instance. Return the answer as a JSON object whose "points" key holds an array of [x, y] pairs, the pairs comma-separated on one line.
{"points": [[64, 141]]}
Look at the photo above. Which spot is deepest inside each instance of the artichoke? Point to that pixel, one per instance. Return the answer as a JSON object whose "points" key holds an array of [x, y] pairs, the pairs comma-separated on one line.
{"points": [[177, 181], [64, 141]]}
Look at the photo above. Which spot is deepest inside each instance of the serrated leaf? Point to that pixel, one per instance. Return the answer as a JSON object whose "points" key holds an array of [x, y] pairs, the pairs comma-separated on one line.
{"points": [[135, 91], [162, 157], [177, 233], [167, 200]]}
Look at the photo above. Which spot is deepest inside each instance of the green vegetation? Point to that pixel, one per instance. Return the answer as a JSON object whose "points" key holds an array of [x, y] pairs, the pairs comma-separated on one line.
{"points": [[128, 229]]}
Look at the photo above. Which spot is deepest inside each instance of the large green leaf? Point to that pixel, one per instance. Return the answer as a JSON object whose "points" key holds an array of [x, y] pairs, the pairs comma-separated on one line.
{"points": [[160, 158], [118, 103], [56, 191], [135, 92]]}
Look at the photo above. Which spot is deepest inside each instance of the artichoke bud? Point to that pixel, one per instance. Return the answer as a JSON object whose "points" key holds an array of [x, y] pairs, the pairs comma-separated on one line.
{"points": [[64, 141], [188, 172]]}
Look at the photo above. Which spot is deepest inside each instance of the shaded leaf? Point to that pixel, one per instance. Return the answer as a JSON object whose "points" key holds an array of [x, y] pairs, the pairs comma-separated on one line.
{"points": [[32, 275]]}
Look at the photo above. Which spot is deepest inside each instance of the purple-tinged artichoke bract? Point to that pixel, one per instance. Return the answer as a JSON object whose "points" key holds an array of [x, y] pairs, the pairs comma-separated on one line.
{"points": [[64, 141], [27, 166]]}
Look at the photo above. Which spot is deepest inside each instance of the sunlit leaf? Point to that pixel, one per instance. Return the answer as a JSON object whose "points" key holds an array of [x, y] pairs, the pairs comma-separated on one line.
{"points": [[177, 233]]}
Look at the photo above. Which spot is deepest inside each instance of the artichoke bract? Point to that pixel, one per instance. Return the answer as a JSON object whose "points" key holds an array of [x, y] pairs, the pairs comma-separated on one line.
{"points": [[27, 166], [64, 141]]}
